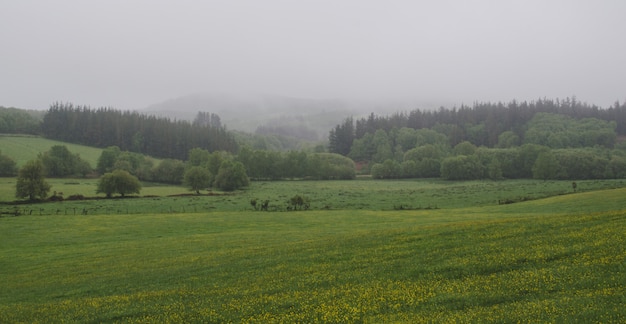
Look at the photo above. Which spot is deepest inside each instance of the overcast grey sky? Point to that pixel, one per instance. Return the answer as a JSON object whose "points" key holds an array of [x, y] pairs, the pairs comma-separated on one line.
{"points": [[130, 54]]}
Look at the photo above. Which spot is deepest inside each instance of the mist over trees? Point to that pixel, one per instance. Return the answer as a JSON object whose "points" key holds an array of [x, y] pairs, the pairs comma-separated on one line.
{"points": [[544, 139], [482, 124], [268, 165], [19, 121], [131, 131]]}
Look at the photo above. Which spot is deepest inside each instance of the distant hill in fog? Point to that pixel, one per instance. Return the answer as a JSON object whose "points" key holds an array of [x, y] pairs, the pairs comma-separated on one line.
{"points": [[265, 113], [309, 119]]}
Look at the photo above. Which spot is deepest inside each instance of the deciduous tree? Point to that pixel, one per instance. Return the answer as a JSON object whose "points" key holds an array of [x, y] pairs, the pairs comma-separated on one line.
{"points": [[31, 182], [231, 176], [197, 178], [118, 181], [8, 168]]}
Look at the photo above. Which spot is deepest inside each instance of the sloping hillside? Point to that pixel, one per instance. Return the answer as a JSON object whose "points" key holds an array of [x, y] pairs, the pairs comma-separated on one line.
{"points": [[25, 148]]}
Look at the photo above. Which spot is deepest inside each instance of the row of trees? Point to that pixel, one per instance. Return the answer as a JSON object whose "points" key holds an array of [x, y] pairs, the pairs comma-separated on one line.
{"points": [[227, 172], [121, 171], [482, 124], [135, 132], [467, 162], [201, 171], [270, 165], [550, 130], [18, 121], [58, 161]]}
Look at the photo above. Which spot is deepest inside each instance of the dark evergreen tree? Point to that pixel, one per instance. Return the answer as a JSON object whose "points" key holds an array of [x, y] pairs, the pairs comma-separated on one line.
{"points": [[341, 137], [131, 131]]}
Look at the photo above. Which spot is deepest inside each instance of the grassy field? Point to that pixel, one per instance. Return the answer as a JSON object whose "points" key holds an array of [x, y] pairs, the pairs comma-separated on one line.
{"points": [[324, 195], [557, 259], [25, 148]]}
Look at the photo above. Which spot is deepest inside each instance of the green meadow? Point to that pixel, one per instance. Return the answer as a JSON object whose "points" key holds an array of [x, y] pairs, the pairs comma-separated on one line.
{"points": [[324, 195], [366, 252], [23, 148]]}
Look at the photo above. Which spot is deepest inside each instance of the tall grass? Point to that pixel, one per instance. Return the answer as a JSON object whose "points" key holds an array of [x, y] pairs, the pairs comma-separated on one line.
{"points": [[560, 259], [324, 195]]}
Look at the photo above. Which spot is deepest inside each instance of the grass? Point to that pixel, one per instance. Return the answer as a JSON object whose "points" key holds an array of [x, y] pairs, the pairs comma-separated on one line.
{"points": [[368, 251], [558, 259], [25, 148], [324, 195]]}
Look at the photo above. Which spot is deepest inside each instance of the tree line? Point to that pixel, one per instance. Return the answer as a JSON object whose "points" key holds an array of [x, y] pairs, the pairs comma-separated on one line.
{"points": [[19, 121], [121, 171], [465, 161], [135, 132], [481, 124]]}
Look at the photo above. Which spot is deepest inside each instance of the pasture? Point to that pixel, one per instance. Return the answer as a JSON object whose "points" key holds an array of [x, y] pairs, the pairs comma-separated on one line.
{"points": [[24, 148], [452, 254], [324, 195]]}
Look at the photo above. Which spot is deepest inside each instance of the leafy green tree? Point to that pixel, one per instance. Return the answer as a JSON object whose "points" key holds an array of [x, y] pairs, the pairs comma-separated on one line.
{"points": [[198, 157], [231, 176], [57, 161], [169, 171], [389, 169], [410, 169], [508, 139], [325, 166], [118, 181], [477, 133], [363, 149], [561, 131], [527, 155], [215, 163], [617, 167], [582, 164], [197, 178], [546, 166], [382, 143], [423, 152], [494, 170], [134, 163], [428, 160], [462, 167], [60, 162], [464, 148], [107, 159], [19, 121], [406, 138], [8, 167], [31, 182], [294, 164], [426, 136], [429, 168]]}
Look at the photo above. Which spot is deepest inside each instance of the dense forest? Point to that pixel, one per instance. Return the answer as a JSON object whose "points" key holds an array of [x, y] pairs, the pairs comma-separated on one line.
{"points": [[131, 131], [544, 139], [19, 121], [482, 124]]}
